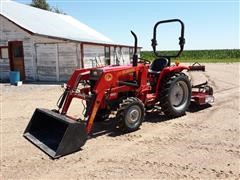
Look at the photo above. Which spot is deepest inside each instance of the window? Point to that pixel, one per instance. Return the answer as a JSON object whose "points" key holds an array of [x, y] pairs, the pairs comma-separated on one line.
{"points": [[107, 55], [131, 52], [3, 52]]}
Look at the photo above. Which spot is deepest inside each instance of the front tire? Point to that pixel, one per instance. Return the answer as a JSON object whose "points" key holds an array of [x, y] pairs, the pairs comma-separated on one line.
{"points": [[130, 114], [175, 95]]}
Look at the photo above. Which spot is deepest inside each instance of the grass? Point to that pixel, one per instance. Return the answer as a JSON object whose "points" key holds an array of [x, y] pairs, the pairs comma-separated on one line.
{"points": [[225, 55]]}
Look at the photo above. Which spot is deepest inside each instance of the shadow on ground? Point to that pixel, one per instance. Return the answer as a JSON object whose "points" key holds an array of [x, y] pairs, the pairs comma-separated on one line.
{"points": [[195, 108], [109, 126]]}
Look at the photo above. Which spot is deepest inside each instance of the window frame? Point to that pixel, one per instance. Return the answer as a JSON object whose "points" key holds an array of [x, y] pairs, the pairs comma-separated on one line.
{"points": [[131, 50], [4, 47], [107, 59]]}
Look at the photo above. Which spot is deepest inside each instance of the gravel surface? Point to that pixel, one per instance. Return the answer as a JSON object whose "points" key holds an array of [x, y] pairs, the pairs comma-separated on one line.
{"points": [[203, 144]]}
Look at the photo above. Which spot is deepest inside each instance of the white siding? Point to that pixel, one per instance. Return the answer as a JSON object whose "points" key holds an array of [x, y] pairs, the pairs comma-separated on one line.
{"points": [[112, 55], [125, 55], [29, 64], [117, 55], [93, 56], [68, 59], [57, 61], [120, 55], [4, 69], [46, 61], [11, 32], [138, 51]]}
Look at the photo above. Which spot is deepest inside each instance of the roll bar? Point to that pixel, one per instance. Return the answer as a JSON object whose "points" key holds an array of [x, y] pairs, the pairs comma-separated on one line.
{"points": [[181, 38]]}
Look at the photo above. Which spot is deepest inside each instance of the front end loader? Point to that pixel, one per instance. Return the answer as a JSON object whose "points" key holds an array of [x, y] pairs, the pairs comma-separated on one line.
{"points": [[124, 90]]}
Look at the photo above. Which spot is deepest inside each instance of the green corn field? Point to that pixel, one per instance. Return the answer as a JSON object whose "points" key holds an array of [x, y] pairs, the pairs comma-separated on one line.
{"points": [[225, 55]]}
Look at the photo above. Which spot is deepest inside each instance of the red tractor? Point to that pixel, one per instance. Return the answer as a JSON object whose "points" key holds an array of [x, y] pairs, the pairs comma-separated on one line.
{"points": [[127, 90]]}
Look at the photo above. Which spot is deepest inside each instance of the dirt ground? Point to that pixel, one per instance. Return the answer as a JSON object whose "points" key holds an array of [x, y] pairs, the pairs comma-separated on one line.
{"points": [[203, 144]]}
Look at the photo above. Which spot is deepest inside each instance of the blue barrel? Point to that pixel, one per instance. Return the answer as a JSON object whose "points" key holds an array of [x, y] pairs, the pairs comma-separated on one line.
{"points": [[14, 76]]}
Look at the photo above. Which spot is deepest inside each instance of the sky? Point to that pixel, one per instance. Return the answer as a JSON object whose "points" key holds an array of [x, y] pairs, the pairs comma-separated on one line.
{"points": [[209, 24]]}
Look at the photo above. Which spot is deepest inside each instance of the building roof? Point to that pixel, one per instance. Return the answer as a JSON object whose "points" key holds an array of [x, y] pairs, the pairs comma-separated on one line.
{"points": [[40, 22]]}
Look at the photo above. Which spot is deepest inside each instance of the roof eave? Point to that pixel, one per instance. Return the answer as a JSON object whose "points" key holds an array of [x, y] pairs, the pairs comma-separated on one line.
{"points": [[85, 42], [65, 39], [26, 30]]}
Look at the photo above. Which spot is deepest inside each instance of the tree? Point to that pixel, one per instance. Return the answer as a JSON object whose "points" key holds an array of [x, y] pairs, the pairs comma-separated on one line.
{"points": [[56, 10], [42, 4]]}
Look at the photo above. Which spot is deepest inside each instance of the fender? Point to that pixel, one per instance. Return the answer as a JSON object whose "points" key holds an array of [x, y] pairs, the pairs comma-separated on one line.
{"points": [[166, 71]]}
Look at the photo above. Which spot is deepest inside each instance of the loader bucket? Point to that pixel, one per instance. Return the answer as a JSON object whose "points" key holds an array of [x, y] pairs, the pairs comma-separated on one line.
{"points": [[55, 134]]}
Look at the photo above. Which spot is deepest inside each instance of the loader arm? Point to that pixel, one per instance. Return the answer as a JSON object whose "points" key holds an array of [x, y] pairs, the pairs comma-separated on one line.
{"points": [[95, 107], [110, 80]]}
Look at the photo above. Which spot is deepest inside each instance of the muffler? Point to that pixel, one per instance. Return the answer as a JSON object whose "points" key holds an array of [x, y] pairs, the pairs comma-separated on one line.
{"points": [[55, 134]]}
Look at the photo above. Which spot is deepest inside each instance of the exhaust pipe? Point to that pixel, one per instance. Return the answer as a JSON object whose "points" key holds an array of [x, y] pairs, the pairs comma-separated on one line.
{"points": [[135, 56]]}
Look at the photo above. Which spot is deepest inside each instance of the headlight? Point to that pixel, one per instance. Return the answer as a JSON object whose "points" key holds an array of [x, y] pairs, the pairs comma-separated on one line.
{"points": [[95, 74]]}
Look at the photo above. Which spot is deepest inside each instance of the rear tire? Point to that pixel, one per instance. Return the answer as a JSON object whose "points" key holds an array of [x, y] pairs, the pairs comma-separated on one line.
{"points": [[130, 114], [175, 95]]}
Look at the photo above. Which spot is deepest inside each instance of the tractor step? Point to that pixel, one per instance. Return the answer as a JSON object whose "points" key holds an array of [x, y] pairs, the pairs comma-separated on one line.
{"points": [[151, 97], [55, 134]]}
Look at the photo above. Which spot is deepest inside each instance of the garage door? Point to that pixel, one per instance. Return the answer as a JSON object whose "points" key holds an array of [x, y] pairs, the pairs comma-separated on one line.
{"points": [[93, 56], [125, 55], [46, 62], [68, 59]]}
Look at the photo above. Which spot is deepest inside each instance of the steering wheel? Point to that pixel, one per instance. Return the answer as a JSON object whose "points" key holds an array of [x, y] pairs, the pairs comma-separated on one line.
{"points": [[145, 61]]}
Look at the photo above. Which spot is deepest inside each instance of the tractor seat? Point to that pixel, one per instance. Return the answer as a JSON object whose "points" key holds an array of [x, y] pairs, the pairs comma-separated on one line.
{"points": [[157, 65]]}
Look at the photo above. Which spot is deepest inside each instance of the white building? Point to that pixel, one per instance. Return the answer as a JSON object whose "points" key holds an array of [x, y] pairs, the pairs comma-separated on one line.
{"points": [[45, 46]]}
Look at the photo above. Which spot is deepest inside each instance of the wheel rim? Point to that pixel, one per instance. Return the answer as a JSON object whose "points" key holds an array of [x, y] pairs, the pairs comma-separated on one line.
{"points": [[179, 95], [133, 116]]}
